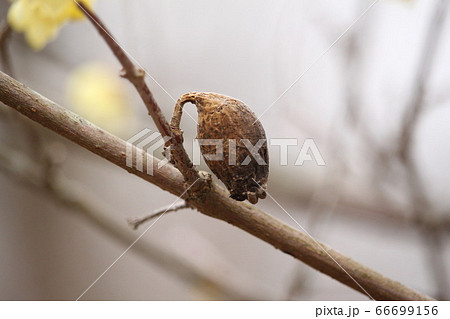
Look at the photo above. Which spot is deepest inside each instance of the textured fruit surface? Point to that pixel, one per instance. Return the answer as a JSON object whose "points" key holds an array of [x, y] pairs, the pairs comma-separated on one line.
{"points": [[231, 123]]}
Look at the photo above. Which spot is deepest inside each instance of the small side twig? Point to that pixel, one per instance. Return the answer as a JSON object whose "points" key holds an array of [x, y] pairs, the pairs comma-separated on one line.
{"points": [[135, 222]]}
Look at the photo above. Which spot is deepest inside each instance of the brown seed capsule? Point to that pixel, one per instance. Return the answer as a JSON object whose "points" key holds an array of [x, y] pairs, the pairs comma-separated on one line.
{"points": [[238, 153]]}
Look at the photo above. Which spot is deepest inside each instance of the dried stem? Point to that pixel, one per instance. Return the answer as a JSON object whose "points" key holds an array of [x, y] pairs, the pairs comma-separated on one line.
{"points": [[135, 222], [214, 203]]}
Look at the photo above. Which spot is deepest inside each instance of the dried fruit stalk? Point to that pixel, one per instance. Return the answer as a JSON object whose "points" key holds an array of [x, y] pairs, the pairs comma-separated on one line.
{"points": [[239, 156]]}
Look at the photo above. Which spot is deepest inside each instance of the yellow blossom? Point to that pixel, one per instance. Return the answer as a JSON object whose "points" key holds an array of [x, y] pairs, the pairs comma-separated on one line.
{"points": [[40, 20], [96, 92]]}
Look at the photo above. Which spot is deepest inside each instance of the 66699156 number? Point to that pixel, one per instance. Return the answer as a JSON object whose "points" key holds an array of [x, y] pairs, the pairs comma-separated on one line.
{"points": [[407, 310]]}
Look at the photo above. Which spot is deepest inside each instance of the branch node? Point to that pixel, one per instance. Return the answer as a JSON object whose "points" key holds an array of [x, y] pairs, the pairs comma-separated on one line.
{"points": [[200, 188], [138, 73], [133, 73]]}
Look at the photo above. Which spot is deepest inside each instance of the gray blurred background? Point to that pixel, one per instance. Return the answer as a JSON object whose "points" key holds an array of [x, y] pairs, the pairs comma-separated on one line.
{"points": [[377, 105]]}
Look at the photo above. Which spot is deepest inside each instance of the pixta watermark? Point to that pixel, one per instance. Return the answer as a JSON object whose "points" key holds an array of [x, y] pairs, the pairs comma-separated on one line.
{"points": [[147, 142]]}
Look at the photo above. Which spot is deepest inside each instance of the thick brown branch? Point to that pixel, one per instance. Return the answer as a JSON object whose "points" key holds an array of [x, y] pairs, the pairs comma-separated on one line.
{"points": [[215, 203]]}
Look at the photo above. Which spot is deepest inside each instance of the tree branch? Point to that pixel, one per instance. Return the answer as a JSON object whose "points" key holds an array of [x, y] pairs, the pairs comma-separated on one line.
{"points": [[136, 76], [73, 195], [215, 203], [130, 72]]}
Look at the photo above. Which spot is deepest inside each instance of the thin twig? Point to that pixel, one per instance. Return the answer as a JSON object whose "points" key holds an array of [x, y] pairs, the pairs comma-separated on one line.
{"points": [[135, 222], [215, 203], [136, 76], [130, 71]]}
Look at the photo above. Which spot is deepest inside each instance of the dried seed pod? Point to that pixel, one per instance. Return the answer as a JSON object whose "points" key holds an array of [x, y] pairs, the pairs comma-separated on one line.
{"points": [[238, 155]]}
